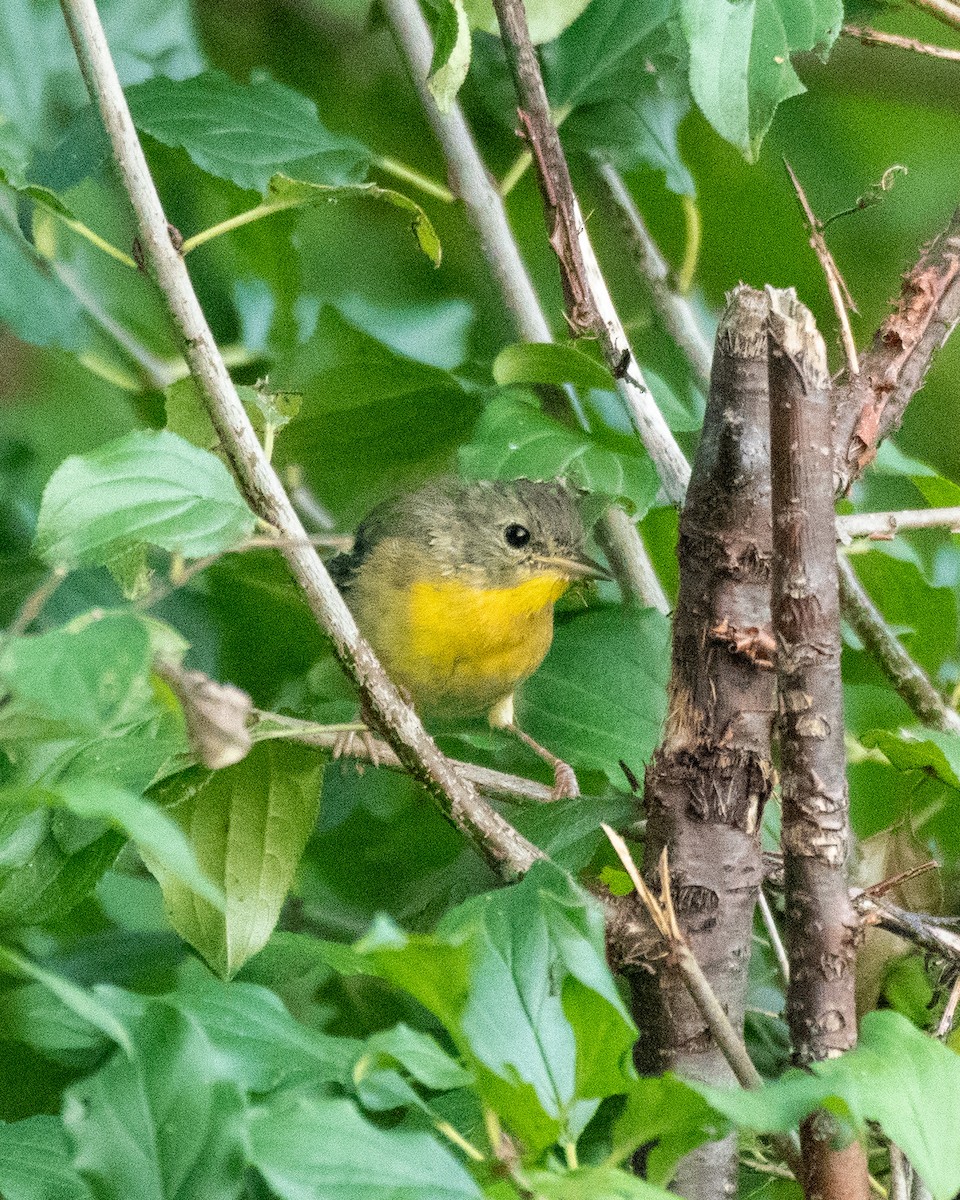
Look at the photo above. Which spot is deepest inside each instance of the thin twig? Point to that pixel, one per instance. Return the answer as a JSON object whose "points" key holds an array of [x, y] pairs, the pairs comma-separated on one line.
{"points": [[944, 10], [663, 916], [501, 845], [773, 933], [500, 784], [885, 525], [471, 181], [839, 293], [589, 307], [877, 37], [675, 311], [907, 677], [945, 1024], [31, 608]]}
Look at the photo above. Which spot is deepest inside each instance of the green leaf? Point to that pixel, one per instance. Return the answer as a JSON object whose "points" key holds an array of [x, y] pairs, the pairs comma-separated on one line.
{"points": [[260, 1044], [284, 193], [81, 1003], [306, 1148], [520, 981], [594, 1183], [740, 66], [188, 418], [90, 677], [247, 825], [246, 133], [546, 19], [165, 1123], [419, 1054], [600, 695], [159, 839], [514, 439], [585, 64], [33, 302], [668, 1117], [35, 1162], [451, 54], [920, 750], [549, 362], [889, 1079], [150, 487]]}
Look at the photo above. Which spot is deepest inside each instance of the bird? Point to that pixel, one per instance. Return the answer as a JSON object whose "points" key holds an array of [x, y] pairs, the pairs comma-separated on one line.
{"points": [[454, 584]]}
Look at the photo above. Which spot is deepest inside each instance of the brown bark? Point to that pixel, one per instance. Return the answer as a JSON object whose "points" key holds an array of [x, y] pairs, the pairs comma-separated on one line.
{"points": [[708, 782], [870, 406], [821, 923]]}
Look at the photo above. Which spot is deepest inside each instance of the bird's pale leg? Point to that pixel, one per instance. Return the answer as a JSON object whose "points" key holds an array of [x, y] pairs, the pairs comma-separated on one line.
{"points": [[565, 784]]}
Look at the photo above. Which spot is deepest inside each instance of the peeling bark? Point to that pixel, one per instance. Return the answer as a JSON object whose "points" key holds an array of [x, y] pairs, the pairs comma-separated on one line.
{"points": [[822, 926], [707, 784]]}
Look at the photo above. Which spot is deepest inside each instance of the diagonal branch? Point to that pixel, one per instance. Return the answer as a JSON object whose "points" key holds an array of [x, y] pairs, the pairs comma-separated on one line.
{"points": [[485, 209], [502, 846], [589, 306], [870, 406]]}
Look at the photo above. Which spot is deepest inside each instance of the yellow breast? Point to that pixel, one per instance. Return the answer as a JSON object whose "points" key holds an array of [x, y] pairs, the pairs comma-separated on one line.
{"points": [[459, 649]]}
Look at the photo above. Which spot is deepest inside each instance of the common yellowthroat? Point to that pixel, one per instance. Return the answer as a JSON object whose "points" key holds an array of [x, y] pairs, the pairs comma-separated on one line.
{"points": [[454, 586]]}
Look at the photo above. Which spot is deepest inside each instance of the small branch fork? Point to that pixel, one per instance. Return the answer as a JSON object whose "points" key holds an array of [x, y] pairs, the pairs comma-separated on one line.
{"points": [[507, 851]]}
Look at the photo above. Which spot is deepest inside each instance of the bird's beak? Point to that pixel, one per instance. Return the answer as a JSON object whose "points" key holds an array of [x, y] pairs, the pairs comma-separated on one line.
{"points": [[576, 566]]}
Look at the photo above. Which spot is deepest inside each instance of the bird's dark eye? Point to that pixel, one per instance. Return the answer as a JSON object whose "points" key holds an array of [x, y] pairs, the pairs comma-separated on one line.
{"points": [[516, 535]]}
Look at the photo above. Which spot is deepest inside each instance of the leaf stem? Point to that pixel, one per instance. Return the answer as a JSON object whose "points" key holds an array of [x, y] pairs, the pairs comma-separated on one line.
{"points": [[266, 209], [408, 174]]}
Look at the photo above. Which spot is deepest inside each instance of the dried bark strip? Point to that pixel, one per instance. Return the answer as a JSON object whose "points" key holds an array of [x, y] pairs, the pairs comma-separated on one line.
{"points": [[708, 782], [821, 922], [871, 405]]}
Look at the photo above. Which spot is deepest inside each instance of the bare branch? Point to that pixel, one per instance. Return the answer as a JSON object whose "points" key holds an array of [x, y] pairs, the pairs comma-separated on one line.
{"points": [[839, 293], [907, 677], [500, 844], [589, 306], [877, 37], [944, 10], [674, 310], [885, 525]]}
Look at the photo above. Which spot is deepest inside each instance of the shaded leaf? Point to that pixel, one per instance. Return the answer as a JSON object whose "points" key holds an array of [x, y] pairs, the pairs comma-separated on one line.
{"points": [[35, 1162], [451, 54]]}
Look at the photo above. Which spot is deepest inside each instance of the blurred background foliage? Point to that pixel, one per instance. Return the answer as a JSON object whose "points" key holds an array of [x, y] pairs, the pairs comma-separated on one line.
{"points": [[393, 356]]}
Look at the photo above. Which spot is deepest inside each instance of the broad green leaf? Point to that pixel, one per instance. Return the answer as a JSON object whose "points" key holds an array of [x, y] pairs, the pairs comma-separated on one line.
{"points": [[247, 825], [157, 836], [888, 1079], [246, 133], [740, 67], [33, 302], [937, 491], [585, 63], [514, 439], [164, 1123], [601, 693], [35, 1162], [549, 362], [593, 1183], [187, 415], [920, 750], [451, 54], [261, 1045], [419, 1054], [149, 487], [306, 1148], [80, 1002], [519, 979], [89, 677], [285, 193], [669, 1117], [41, 879], [546, 19]]}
